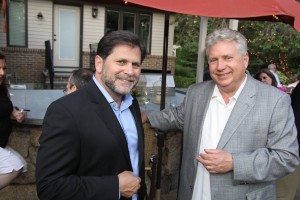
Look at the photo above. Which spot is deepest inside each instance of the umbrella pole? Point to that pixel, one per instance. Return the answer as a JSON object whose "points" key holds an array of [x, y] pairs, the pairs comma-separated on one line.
{"points": [[164, 63], [161, 135], [160, 145]]}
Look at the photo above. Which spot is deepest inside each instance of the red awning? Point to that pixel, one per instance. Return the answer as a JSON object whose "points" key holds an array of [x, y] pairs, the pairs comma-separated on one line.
{"points": [[287, 11]]}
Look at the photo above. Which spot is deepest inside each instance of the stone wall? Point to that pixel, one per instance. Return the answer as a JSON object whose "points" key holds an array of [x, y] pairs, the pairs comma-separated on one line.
{"points": [[24, 139]]}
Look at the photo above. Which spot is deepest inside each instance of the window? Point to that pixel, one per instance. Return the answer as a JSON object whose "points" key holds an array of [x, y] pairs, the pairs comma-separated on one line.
{"points": [[17, 29], [134, 21]]}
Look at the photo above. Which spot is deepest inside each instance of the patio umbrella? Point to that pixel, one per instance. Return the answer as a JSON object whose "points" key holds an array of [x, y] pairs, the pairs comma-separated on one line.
{"points": [[287, 11]]}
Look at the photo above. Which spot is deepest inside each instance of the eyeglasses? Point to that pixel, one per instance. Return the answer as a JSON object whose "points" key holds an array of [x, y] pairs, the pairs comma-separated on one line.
{"points": [[68, 88], [65, 91]]}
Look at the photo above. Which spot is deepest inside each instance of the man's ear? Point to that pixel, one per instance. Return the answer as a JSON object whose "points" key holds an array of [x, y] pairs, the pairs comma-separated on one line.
{"points": [[73, 88], [98, 63], [246, 60]]}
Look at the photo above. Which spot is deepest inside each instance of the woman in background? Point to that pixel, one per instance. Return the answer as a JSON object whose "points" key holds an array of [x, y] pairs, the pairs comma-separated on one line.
{"points": [[11, 163], [264, 75]]}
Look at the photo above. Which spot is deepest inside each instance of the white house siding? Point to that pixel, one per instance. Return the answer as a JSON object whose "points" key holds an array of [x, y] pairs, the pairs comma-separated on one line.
{"points": [[158, 34], [171, 35], [93, 28], [39, 30]]}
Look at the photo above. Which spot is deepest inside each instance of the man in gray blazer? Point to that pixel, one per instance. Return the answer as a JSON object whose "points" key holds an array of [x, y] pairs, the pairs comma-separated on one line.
{"points": [[238, 134]]}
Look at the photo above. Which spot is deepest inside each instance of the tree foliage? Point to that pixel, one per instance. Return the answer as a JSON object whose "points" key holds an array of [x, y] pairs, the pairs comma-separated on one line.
{"points": [[268, 42]]}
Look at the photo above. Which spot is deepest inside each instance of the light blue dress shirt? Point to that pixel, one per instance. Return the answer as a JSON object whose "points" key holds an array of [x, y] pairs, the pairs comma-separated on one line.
{"points": [[127, 123]]}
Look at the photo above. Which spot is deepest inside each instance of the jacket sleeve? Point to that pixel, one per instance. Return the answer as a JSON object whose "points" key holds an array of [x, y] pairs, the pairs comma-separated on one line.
{"points": [[280, 154]]}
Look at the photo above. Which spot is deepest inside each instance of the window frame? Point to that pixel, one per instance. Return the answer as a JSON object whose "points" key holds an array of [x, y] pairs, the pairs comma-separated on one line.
{"points": [[8, 26], [137, 13]]}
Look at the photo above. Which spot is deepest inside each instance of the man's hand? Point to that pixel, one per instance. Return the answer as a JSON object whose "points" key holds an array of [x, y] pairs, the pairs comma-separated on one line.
{"points": [[144, 117], [216, 161], [129, 184]]}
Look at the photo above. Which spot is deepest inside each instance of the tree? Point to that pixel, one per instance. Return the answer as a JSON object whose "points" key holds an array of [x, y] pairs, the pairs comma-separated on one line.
{"points": [[269, 42]]}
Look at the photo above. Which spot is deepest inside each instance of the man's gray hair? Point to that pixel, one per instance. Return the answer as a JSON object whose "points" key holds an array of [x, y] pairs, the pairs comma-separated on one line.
{"points": [[226, 34], [272, 67]]}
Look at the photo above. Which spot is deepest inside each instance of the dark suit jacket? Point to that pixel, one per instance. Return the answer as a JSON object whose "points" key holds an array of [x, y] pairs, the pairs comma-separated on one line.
{"points": [[295, 97], [83, 149]]}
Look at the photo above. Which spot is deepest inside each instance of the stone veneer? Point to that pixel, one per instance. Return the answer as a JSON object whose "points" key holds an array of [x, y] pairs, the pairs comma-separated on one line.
{"points": [[24, 139]]}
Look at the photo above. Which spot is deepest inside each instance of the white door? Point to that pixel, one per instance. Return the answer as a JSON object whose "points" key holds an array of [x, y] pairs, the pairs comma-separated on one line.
{"points": [[66, 37]]}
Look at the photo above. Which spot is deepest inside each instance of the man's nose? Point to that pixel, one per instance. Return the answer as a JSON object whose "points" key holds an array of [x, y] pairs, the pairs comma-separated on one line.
{"points": [[129, 68], [220, 64]]}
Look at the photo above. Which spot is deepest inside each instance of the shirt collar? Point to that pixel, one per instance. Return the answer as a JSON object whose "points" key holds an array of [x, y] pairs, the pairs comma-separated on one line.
{"points": [[216, 92], [126, 102]]}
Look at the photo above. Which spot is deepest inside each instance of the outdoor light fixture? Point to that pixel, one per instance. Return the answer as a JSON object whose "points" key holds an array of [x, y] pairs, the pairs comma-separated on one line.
{"points": [[277, 18], [94, 12], [40, 15]]}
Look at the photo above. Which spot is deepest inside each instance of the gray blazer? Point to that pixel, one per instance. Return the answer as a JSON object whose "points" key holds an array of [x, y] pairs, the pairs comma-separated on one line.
{"points": [[260, 134]]}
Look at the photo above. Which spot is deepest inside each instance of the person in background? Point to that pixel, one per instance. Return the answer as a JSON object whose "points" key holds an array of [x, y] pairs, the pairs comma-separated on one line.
{"points": [[273, 69], [206, 76], [92, 141], [287, 186], [239, 134], [11, 163], [266, 76], [292, 86], [78, 79]]}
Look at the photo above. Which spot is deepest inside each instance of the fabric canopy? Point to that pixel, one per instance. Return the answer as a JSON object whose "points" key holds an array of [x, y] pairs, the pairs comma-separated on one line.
{"points": [[287, 11]]}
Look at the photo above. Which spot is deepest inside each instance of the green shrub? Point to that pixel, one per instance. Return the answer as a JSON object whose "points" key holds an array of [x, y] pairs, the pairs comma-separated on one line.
{"points": [[184, 82]]}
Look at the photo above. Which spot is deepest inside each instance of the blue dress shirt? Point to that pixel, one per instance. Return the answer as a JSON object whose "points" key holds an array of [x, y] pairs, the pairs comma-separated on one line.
{"points": [[127, 123]]}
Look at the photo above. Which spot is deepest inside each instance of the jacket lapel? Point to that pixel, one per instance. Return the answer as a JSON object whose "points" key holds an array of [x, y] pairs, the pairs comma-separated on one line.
{"points": [[140, 131], [110, 120], [244, 104]]}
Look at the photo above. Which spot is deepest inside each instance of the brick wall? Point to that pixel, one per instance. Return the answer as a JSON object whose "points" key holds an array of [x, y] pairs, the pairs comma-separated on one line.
{"points": [[155, 62], [27, 65]]}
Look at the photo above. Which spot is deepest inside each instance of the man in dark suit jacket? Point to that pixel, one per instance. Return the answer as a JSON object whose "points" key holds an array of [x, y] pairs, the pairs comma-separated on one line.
{"points": [[92, 141]]}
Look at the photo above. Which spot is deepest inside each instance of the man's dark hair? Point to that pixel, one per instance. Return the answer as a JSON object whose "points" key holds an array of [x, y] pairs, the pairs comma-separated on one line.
{"points": [[111, 39], [80, 77]]}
